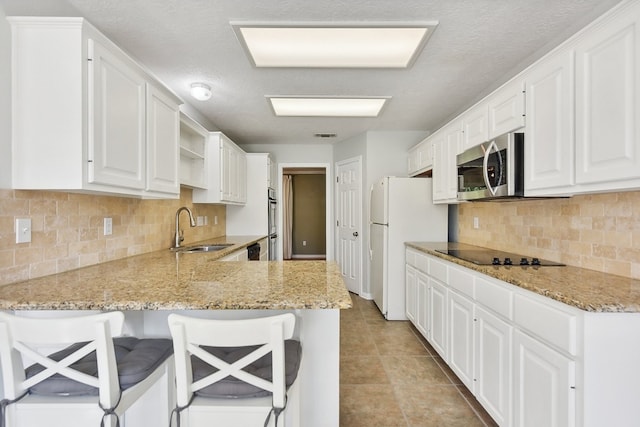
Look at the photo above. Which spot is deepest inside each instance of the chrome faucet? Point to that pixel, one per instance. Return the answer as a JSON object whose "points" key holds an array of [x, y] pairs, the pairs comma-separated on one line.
{"points": [[179, 233]]}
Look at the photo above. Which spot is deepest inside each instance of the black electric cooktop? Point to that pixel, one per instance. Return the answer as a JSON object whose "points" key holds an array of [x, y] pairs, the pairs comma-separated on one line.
{"points": [[493, 257]]}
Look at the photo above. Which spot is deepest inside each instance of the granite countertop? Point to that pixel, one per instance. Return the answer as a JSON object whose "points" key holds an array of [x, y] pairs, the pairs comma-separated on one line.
{"points": [[166, 280], [585, 289]]}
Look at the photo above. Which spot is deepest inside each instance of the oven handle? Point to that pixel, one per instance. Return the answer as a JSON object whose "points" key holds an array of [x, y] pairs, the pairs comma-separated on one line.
{"points": [[485, 164]]}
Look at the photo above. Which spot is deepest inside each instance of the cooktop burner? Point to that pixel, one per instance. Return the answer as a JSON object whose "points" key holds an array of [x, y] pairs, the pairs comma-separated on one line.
{"points": [[492, 257]]}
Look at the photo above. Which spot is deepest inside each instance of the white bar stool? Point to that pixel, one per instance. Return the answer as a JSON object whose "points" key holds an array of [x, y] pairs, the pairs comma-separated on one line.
{"points": [[93, 382], [236, 372]]}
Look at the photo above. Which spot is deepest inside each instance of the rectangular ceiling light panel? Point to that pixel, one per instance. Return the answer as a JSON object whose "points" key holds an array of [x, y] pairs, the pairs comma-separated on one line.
{"points": [[327, 107], [334, 47]]}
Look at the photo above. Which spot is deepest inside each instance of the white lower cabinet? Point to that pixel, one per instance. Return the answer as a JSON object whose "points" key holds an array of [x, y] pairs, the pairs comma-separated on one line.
{"points": [[411, 300], [461, 337], [438, 330], [529, 360], [493, 364], [422, 303], [543, 385]]}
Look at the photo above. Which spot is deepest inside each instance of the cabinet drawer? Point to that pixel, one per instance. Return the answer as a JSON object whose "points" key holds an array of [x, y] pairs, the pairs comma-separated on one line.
{"points": [[438, 270], [461, 281], [417, 259], [495, 297], [547, 322], [410, 257]]}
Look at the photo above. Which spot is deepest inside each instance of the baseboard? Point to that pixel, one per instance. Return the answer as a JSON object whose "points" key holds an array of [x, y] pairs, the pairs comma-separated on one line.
{"points": [[320, 256]]}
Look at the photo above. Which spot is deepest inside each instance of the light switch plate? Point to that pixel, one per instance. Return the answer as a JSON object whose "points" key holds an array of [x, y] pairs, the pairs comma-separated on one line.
{"points": [[23, 230], [199, 221]]}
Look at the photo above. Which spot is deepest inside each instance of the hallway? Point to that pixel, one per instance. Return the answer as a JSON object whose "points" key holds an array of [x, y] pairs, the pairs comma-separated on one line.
{"points": [[391, 377]]}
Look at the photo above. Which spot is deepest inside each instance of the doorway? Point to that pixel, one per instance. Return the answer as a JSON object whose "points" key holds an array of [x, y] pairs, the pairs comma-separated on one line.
{"points": [[304, 212]]}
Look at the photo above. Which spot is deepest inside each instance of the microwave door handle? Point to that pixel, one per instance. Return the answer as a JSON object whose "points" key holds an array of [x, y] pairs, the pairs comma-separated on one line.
{"points": [[485, 165]]}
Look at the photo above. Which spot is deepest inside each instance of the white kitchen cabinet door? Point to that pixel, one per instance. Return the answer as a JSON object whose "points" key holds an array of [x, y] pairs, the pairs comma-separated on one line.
{"points": [[163, 134], [411, 304], [461, 337], [445, 170], [506, 108], [438, 325], [550, 140], [608, 102], [226, 166], [475, 125], [422, 303], [543, 385], [117, 137], [493, 338], [420, 157]]}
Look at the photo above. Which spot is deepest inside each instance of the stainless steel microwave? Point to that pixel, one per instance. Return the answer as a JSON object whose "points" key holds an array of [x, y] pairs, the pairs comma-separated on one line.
{"points": [[492, 170]]}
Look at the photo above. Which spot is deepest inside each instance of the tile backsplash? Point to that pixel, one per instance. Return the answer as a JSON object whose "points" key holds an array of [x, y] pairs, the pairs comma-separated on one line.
{"points": [[67, 229], [599, 232]]}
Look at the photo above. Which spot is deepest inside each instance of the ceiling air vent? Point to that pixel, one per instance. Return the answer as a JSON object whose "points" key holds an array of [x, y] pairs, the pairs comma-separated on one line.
{"points": [[325, 135]]}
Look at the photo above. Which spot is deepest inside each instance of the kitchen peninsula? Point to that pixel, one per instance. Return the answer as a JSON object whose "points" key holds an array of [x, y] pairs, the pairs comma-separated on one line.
{"points": [[150, 286]]}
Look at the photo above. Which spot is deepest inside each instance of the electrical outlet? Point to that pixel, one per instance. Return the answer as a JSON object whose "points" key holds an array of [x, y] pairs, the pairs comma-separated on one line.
{"points": [[23, 230], [215, 220], [304, 243], [476, 222], [108, 227], [199, 221]]}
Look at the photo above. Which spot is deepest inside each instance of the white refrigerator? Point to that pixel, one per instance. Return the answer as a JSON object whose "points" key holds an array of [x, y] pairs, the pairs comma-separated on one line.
{"points": [[401, 210]]}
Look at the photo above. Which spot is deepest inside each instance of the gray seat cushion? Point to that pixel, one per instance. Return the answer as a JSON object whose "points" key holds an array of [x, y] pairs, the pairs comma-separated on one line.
{"points": [[231, 387], [136, 359]]}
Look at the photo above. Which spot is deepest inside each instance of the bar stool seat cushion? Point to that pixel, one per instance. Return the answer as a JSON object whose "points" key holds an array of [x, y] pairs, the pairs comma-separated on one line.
{"points": [[231, 387], [136, 359]]}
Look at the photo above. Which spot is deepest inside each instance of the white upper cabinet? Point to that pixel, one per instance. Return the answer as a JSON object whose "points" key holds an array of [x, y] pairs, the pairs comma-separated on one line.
{"points": [[193, 139], [226, 165], [506, 108], [608, 102], [420, 157], [163, 130], [117, 140], [446, 144], [549, 137], [475, 125], [86, 117]]}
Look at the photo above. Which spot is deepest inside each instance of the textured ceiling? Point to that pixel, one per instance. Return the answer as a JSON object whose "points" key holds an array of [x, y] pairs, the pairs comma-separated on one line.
{"points": [[477, 45]]}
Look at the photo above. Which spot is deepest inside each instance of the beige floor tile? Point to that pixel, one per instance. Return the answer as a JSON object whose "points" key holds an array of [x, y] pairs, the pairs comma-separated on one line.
{"points": [[357, 345], [369, 406], [414, 370], [477, 408], [362, 370], [431, 406], [399, 344]]}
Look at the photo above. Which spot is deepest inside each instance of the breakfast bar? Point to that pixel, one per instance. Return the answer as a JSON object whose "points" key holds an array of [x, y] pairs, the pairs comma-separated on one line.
{"points": [[148, 287]]}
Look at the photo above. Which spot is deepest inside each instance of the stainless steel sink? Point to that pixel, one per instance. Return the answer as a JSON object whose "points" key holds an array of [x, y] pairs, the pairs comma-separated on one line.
{"points": [[202, 248]]}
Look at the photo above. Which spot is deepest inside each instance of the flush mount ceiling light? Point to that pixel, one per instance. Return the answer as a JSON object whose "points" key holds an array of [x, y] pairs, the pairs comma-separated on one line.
{"points": [[327, 107], [200, 91], [374, 45]]}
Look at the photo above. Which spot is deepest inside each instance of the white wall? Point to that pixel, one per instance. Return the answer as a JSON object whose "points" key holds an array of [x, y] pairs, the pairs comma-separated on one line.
{"points": [[383, 153], [5, 101]]}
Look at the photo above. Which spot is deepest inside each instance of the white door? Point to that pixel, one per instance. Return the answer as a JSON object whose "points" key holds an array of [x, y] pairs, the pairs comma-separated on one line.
{"points": [[438, 317], [349, 222]]}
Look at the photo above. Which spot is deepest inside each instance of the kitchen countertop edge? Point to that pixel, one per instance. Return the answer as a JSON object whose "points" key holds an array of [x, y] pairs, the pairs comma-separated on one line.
{"points": [[585, 289]]}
